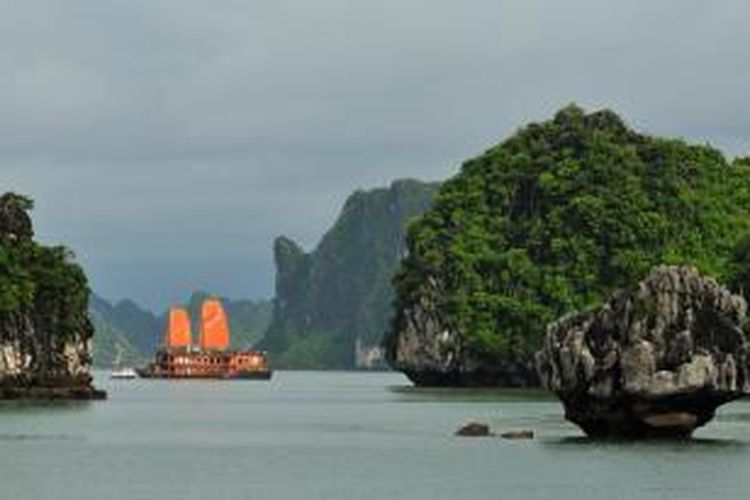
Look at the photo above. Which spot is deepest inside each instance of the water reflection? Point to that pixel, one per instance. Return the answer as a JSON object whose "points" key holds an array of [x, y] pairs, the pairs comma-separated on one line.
{"points": [[469, 394], [654, 444], [35, 406]]}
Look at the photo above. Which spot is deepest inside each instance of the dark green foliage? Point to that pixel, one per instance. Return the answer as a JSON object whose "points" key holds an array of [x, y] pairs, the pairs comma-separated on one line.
{"points": [[326, 299], [562, 213], [39, 281], [739, 268]]}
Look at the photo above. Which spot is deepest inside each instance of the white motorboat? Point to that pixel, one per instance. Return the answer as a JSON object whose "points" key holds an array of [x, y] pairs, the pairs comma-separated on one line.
{"points": [[123, 373]]}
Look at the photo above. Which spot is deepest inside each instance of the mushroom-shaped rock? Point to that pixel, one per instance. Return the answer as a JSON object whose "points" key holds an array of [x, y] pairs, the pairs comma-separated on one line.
{"points": [[655, 360]]}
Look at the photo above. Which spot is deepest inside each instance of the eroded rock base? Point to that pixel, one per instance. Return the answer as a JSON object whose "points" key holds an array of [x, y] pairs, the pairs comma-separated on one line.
{"points": [[675, 416], [53, 393], [78, 388]]}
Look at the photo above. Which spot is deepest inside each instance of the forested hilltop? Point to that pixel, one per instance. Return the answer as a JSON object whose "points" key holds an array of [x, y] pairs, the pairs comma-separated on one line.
{"points": [[548, 222], [340, 292], [129, 334]]}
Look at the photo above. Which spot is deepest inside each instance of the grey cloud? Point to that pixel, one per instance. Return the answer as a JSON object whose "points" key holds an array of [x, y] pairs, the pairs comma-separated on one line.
{"points": [[168, 142]]}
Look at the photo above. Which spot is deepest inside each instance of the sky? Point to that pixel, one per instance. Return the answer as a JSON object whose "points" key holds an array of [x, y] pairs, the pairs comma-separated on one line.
{"points": [[169, 142]]}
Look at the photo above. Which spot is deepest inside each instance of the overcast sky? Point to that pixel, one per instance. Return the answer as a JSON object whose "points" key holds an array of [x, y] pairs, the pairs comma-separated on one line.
{"points": [[169, 142]]}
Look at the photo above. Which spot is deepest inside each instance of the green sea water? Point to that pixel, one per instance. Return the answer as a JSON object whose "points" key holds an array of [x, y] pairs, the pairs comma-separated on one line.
{"points": [[323, 435]]}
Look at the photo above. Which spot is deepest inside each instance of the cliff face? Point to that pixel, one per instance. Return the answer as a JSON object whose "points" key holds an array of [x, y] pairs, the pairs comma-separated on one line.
{"points": [[45, 332], [551, 221], [341, 291]]}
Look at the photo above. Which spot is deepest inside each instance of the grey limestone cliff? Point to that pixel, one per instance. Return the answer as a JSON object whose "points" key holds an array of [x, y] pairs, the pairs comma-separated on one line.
{"points": [[656, 359]]}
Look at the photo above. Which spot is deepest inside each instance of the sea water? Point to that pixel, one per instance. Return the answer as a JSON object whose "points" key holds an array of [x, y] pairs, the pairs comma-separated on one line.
{"points": [[336, 435]]}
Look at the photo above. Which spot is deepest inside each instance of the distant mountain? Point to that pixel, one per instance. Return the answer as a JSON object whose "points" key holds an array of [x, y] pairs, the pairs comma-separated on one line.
{"points": [[136, 332], [141, 327], [112, 346], [341, 291]]}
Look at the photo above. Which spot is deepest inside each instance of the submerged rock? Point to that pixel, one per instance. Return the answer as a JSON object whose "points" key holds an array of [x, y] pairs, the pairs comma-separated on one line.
{"points": [[474, 429], [654, 360], [518, 434]]}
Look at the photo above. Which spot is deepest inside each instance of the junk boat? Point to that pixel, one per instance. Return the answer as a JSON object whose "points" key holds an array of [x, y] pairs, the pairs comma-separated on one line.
{"points": [[211, 358]]}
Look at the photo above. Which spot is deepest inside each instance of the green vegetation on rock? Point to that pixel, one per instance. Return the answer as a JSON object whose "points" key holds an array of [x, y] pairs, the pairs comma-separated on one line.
{"points": [[44, 326], [36, 280], [342, 290], [552, 220]]}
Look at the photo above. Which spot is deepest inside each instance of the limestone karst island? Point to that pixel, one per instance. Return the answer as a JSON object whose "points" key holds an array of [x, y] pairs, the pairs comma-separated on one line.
{"points": [[45, 331], [374, 250]]}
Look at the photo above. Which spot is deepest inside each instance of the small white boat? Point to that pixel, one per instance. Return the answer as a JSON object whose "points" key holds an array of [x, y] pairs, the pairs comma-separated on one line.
{"points": [[123, 373]]}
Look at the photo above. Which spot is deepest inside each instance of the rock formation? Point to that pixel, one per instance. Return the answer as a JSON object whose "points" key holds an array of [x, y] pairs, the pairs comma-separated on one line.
{"points": [[432, 354], [655, 360], [340, 294], [474, 429], [44, 330], [554, 218]]}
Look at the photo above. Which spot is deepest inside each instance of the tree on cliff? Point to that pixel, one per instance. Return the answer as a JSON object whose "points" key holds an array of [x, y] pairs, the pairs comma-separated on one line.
{"points": [[37, 277], [554, 218]]}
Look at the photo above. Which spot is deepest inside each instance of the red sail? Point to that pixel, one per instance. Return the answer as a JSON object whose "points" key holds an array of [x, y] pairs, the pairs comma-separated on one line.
{"points": [[214, 326], [178, 330]]}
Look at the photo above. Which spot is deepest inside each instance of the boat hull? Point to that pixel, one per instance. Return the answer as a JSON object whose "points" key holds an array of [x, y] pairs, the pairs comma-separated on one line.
{"points": [[157, 374], [203, 364]]}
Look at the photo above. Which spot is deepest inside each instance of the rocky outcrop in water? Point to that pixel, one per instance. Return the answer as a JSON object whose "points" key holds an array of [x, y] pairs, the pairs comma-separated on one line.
{"points": [[655, 360], [474, 429], [44, 329], [431, 353], [559, 215]]}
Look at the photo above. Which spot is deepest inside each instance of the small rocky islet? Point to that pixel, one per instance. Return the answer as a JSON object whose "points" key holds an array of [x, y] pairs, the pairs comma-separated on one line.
{"points": [[655, 360], [45, 331]]}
